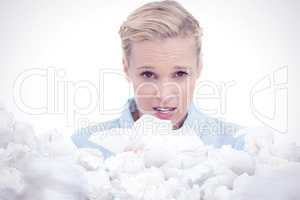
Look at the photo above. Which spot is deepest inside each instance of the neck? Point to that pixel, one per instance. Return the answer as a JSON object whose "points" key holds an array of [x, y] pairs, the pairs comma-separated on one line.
{"points": [[135, 115]]}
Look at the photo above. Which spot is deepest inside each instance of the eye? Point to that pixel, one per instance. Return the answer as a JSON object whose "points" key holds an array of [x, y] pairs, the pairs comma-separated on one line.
{"points": [[181, 74], [147, 74]]}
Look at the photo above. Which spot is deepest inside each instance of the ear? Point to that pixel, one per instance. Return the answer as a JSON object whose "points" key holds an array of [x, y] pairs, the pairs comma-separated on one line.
{"points": [[126, 68]]}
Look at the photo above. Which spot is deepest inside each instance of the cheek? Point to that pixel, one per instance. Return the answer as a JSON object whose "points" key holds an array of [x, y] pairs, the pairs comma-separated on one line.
{"points": [[187, 88], [144, 93], [142, 88], [186, 93]]}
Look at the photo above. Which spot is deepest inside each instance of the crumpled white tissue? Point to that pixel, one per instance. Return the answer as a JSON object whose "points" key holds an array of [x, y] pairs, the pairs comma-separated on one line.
{"points": [[152, 161]]}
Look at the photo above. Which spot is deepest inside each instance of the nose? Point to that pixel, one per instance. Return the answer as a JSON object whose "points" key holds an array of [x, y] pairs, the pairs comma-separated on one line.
{"points": [[167, 91]]}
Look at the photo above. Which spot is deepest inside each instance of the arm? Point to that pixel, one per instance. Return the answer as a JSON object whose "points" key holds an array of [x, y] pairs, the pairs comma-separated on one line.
{"points": [[81, 139]]}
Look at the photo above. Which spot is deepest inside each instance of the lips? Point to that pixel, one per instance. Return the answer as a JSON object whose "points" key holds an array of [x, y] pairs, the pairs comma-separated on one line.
{"points": [[164, 112]]}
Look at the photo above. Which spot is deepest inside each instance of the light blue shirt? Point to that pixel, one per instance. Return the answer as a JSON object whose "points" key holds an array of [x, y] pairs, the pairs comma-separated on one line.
{"points": [[212, 131]]}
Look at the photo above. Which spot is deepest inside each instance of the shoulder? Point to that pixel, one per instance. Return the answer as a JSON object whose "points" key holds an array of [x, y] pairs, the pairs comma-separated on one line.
{"points": [[216, 131], [222, 132], [99, 127], [81, 136]]}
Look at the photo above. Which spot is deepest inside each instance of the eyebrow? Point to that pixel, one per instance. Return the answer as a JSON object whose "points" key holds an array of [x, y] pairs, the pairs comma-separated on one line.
{"points": [[181, 67], [146, 67], [150, 67]]}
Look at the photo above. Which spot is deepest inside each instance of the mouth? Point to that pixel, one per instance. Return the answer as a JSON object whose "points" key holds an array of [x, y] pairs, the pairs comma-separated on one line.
{"points": [[164, 112]]}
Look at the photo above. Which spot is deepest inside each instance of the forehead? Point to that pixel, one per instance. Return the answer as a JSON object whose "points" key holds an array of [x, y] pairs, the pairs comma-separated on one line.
{"points": [[167, 52]]}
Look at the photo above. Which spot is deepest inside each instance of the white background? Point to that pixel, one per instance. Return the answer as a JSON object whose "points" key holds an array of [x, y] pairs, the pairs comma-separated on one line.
{"points": [[243, 42]]}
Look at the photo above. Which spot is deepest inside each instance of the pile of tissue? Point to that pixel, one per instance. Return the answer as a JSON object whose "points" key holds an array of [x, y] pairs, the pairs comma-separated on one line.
{"points": [[151, 161]]}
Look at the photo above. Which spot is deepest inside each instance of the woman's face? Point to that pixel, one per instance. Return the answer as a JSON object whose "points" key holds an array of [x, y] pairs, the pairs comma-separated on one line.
{"points": [[163, 74]]}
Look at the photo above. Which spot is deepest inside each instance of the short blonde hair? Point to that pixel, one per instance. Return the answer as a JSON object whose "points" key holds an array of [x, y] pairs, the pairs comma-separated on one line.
{"points": [[159, 20]]}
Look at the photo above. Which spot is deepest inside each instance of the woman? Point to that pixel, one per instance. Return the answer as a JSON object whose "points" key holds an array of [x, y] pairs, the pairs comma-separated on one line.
{"points": [[161, 44]]}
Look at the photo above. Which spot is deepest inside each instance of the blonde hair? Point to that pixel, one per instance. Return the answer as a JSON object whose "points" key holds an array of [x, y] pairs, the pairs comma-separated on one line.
{"points": [[159, 20]]}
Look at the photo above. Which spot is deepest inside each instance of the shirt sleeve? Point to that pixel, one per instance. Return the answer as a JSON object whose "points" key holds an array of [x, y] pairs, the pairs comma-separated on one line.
{"points": [[239, 143]]}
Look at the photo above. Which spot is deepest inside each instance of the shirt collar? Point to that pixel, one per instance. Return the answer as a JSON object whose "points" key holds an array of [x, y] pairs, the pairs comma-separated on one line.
{"points": [[126, 119]]}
